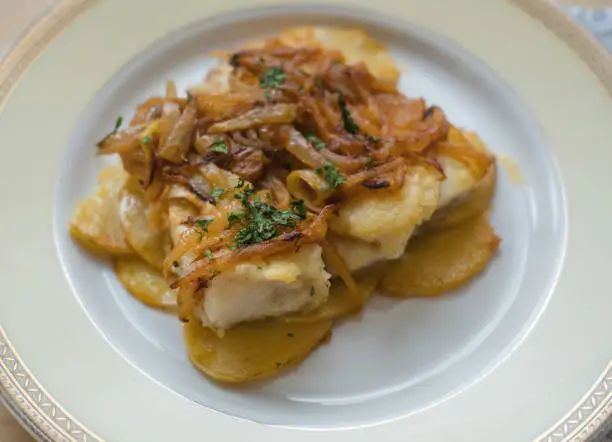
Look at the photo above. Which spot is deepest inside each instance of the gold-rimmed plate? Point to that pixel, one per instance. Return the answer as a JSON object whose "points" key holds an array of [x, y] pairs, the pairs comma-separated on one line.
{"points": [[493, 365]]}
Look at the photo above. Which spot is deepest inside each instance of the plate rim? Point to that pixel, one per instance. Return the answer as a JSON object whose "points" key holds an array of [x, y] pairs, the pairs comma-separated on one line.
{"points": [[43, 416]]}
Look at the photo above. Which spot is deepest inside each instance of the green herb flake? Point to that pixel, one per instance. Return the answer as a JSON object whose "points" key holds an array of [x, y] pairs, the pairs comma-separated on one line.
{"points": [[175, 263], [203, 224], [219, 146], [284, 218], [217, 193], [272, 78], [235, 217], [118, 123], [145, 140], [312, 290], [349, 123], [301, 89], [299, 208], [189, 97], [317, 143], [232, 247], [209, 255], [368, 163], [268, 196], [265, 220], [331, 175]]}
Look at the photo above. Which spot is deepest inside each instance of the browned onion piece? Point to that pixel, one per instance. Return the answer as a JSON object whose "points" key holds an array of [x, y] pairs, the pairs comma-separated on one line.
{"points": [[300, 148], [171, 112], [179, 139], [259, 116], [122, 142], [335, 261]]}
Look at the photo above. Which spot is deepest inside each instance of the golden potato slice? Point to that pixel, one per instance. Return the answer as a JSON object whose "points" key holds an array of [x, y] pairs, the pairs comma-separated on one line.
{"points": [[145, 283], [252, 350], [473, 203], [96, 222], [437, 262], [151, 245], [341, 301]]}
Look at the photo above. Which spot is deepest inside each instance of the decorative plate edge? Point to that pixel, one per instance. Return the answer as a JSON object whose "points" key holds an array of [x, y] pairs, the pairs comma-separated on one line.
{"points": [[30, 403], [45, 419], [589, 418], [35, 40]]}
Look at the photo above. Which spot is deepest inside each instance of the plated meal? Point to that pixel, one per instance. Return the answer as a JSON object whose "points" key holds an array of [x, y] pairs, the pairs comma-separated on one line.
{"points": [[274, 198]]}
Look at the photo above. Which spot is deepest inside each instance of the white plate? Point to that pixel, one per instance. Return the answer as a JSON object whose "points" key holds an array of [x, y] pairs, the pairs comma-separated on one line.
{"points": [[428, 368]]}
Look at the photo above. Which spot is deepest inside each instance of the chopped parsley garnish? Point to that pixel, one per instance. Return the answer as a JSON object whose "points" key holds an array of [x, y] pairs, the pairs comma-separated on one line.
{"points": [[145, 140], [175, 263], [317, 143], [299, 208], [272, 78], [284, 217], [331, 175], [189, 97], [301, 89], [232, 247], [217, 193], [268, 196], [203, 224], [118, 123], [349, 123], [209, 254], [368, 163], [265, 220], [235, 217], [219, 146]]}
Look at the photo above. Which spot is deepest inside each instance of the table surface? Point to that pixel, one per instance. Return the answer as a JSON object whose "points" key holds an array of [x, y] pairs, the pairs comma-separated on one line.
{"points": [[23, 13]]}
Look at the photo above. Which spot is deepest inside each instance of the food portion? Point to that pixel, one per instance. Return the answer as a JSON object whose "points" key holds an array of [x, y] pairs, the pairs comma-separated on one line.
{"points": [[274, 198]]}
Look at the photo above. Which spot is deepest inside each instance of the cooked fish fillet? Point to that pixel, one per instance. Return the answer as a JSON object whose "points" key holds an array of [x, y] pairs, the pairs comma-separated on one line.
{"points": [[286, 283], [377, 226]]}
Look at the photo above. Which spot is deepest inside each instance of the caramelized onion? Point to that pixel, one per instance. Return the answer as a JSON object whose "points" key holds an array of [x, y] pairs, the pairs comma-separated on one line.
{"points": [[259, 116]]}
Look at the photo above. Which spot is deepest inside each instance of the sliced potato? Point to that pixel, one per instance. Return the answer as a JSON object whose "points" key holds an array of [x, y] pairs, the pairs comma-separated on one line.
{"points": [[145, 283], [437, 262], [96, 222], [341, 301], [473, 203], [151, 245], [252, 350]]}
